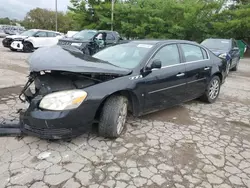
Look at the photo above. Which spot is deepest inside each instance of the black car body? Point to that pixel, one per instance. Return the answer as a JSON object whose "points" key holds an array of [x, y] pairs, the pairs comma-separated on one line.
{"points": [[226, 49], [87, 42], [144, 77]]}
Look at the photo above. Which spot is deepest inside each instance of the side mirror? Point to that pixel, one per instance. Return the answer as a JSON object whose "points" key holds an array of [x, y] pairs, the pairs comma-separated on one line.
{"points": [[154, 64], [36, 35]]}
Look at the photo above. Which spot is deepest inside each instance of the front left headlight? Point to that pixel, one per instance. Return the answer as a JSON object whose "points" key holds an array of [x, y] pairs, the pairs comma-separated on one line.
{"points": [[76, 44], [223, 56], [63, 100]]}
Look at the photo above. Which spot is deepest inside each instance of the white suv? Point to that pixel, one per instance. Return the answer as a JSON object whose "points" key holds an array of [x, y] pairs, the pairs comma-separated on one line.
{"points": [[32, 39]]}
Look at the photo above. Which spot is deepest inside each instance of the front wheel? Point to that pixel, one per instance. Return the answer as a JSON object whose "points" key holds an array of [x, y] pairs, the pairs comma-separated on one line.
{"points": [[113, 117], [13, 50], [236, 66], [28, 47], [213, 90]]}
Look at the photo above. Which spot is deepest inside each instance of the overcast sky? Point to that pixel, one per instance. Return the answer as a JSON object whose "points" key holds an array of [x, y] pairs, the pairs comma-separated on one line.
{"points": [[18, 8]]}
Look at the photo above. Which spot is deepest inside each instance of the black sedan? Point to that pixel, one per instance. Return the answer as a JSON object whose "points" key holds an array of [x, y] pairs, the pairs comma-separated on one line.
{"points": [[68, 90], [226, 49]]}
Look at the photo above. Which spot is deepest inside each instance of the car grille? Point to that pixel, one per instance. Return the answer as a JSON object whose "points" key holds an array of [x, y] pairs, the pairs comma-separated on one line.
{"points": [[66, 43], [7, 42], [48, 132]]}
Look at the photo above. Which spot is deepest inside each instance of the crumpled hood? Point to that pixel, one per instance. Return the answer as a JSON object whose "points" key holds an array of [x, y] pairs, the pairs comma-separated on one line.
{"points": [[72, 40], [16, 36], [70, 59]]}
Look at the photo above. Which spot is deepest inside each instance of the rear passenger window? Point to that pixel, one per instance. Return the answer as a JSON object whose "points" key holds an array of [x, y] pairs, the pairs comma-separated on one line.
{"points": [[169, 55], [110, 36], [204, 52], [51, 34], [192, 52]]}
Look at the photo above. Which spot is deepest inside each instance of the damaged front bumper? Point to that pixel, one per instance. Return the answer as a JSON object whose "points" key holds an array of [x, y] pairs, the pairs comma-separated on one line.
{"points": [[56, 124], [48, 124], [17, 45]]}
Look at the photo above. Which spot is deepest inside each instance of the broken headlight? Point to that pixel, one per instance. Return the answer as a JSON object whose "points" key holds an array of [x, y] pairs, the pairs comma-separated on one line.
{"points": [[63, 100]]}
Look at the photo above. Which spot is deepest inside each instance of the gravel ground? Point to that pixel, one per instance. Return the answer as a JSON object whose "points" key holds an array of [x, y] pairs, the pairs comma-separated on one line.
{"points": [[191, 145]]}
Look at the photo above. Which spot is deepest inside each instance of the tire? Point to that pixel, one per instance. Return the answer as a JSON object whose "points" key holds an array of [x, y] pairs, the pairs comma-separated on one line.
{"points": [[208, 96], [236, 66], [113, 117], [228, 67], [86, 51], [13, 50], [28, 47]]}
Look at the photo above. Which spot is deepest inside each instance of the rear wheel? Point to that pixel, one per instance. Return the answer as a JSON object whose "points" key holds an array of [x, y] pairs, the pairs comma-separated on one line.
{"points": [[212, 91], [113, 117]]}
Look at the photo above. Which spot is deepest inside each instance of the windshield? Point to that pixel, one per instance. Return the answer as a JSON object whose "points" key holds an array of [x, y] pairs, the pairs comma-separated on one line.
{"points": [[124, 55], [85, 34], [220, 44], [28, 33]]}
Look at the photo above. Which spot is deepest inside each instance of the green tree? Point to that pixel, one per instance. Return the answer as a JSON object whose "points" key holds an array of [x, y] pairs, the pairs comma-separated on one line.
{"points": [[45, 19]]}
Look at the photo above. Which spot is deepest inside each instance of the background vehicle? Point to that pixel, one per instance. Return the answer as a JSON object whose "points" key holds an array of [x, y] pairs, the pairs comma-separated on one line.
{"points": [[226, 49], [71, 33], [139, 76], [89, 42], [31, 39], [2, 33]]}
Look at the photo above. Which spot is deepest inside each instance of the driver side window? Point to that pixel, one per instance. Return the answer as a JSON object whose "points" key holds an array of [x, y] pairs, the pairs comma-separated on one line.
{"points": [[41, 34], [168, 55]]}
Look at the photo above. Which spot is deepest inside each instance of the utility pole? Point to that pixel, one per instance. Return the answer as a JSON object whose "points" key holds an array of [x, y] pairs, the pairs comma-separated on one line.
{"points": [[56, 14], [112, 14]]}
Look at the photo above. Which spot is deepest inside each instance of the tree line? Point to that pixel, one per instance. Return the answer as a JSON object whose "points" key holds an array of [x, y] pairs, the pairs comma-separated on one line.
{"points": [[167, 19]]}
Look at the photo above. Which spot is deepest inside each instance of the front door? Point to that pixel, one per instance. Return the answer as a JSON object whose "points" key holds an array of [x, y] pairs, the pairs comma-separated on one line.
{"points": [[198, 69], [165, 87]]}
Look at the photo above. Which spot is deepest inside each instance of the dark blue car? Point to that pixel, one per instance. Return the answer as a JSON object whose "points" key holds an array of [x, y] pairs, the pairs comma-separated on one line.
{"points": [[225, 49]]}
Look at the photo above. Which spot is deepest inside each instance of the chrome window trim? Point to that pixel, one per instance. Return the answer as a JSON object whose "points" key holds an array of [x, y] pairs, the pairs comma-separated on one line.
{"points": [[184, 63]]}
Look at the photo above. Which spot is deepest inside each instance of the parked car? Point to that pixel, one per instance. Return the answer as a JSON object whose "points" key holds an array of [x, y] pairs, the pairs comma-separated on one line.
{"points": [[68, 91], [91, 41], [71, 33], [226, 49], [2, 33], [31, 39]]}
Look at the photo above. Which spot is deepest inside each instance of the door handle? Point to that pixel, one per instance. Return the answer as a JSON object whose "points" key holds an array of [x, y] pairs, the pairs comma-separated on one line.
{"points": [[180, 74], [206, 68]]}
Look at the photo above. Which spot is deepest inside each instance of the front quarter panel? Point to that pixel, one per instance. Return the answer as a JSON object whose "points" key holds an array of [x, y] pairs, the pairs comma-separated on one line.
{"points": [[99, 92]]}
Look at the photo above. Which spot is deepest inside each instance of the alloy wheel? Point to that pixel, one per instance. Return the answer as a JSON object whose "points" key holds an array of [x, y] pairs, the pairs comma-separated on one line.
{"points": [[214, 89], [228, 68], [122, 118]]}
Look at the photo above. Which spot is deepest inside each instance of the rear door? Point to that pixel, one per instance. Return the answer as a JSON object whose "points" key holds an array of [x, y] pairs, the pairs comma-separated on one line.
{"points": [[198, 69], [52, 39], [110, 39], [166, 86], [40, 39]]}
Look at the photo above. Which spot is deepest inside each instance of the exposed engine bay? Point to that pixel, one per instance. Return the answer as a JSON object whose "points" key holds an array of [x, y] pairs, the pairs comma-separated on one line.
{"points": [[45, 82]]}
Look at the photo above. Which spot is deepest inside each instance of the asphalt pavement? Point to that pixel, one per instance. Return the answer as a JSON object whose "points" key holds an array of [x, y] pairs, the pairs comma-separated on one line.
{"points": [[194, 145]]}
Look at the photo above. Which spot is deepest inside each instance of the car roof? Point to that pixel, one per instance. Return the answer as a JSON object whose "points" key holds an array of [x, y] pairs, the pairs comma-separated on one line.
{"points": [[88, 30], [216, 39], [163, 41], [45, 30]]}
